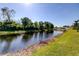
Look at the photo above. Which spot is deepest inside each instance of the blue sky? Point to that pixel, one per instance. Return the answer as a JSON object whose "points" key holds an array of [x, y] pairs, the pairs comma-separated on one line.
{"points": [[58, 14]]}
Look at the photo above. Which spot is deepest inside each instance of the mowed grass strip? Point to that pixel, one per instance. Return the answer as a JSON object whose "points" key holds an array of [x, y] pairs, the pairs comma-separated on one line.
{"points": [[64, 45]]}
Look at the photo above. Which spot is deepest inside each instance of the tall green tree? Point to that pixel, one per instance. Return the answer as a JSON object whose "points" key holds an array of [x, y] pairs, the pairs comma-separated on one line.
{"points": [[26, 22], [41, 25], [49, 26], [36, 25]]}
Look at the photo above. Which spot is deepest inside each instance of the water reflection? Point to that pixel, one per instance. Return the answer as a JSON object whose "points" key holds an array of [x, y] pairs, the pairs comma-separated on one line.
{"points": [[26, 37], [6, 42], [12, 43]]}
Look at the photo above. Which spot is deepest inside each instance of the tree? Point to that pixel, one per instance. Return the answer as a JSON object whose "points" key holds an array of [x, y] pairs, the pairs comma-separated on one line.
{"points": [[7, 13], [26, 22], [41, 25], [36, 25], [49, 26], [1, 24], [7, 16], [76, 25]]}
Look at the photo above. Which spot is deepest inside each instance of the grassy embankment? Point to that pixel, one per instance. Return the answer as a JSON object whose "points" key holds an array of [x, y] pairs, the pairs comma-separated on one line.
{"points": [[11, 32], [65, 45]]}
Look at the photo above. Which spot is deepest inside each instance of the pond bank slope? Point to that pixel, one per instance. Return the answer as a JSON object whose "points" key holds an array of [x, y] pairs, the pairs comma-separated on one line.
{"points": [[65, 45]]}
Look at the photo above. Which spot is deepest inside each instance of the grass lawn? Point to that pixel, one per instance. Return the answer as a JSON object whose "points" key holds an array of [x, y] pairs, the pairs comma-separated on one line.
{"points": [[64, 45]]}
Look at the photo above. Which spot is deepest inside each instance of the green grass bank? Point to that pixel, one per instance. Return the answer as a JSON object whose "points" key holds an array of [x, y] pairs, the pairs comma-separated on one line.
{"points": [[11, 32], [65, 45]]}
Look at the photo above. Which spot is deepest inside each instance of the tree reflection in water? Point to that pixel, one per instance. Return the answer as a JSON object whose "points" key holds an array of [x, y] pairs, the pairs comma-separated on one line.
{"points": [[27, 37], [7, 39]]}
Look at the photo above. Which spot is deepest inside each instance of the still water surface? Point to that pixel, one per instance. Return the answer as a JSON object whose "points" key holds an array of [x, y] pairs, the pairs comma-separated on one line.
{"points": [[13, 43]]}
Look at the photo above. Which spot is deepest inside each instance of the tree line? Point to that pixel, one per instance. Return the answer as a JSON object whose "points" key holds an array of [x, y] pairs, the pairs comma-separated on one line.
{"points": [[26, 24]]}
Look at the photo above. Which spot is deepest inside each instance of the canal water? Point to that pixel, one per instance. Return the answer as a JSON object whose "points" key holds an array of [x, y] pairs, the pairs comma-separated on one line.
{"points": [[13, 43]]}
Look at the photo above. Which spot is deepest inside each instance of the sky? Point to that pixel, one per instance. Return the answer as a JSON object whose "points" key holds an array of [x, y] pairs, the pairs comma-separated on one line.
{"points": [[58, 14]]}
